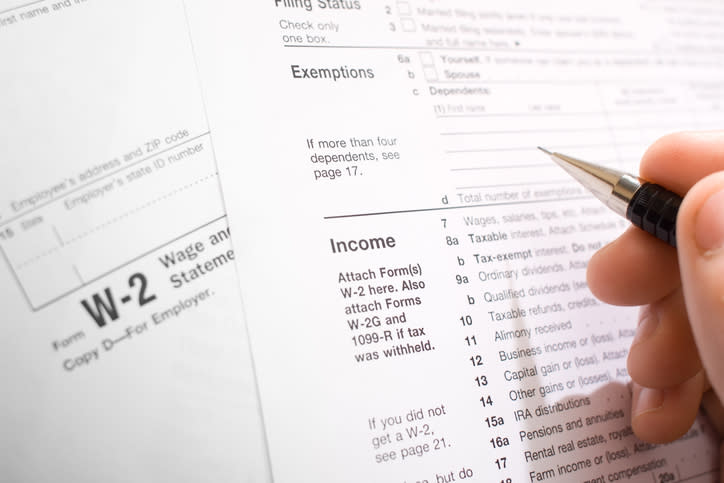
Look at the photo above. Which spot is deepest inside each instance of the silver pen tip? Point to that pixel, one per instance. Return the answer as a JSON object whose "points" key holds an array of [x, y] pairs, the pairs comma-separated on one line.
{"points": [[545, 151], [615, 188]]}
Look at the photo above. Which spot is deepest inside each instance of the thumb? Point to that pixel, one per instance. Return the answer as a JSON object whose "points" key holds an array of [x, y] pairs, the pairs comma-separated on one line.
{"points": [[700, 241]]}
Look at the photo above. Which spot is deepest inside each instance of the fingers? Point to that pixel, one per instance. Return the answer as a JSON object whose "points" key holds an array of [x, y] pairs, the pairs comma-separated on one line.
{"points": [[663, 415], [700, 228], [638, 270], [677, 161], [635, 269], [664, 365], [663, 353]]}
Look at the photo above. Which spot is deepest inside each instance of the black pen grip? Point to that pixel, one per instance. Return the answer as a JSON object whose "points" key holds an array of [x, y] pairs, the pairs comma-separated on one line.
{"points": [[653, 209]]}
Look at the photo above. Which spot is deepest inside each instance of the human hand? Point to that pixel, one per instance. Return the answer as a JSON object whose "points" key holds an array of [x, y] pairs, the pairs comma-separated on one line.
{"points": [[677, 355]]}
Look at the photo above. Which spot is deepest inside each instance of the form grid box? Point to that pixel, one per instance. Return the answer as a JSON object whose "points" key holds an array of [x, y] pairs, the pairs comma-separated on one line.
{"points": [[428, 66], [408, 25], [404, 8]]}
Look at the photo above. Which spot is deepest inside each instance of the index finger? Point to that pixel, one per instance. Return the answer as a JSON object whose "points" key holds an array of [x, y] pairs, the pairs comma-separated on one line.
{"points": [[677, 161]]}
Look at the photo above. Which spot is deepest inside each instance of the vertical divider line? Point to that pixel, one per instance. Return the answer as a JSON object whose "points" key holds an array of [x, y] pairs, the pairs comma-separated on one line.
{"points": [[606, 115]]}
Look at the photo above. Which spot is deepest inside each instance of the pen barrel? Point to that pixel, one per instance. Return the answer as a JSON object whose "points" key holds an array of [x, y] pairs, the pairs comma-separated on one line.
{"points": [[653, 208]]}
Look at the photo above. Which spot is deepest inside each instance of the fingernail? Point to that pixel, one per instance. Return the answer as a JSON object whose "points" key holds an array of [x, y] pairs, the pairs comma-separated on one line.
{"points": [[648, 322], [646, 400], [709, 229]]}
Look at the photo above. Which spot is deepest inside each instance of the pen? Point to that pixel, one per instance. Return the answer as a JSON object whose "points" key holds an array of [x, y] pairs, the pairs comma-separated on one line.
{"points": [[648, 206]]}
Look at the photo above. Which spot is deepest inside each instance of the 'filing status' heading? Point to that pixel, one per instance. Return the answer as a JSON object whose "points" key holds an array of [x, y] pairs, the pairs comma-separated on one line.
{"points": [[321, 4]]}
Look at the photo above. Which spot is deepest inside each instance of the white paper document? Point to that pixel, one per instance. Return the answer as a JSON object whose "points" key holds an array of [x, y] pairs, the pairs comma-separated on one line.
{"points": [[412, 268], [124, 357]]}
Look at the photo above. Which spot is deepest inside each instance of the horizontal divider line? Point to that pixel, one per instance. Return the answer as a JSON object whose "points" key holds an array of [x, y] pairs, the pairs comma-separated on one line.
{"points": [[29, 4], [561, 81], [527, 148], [605, 114], [513, 166], [699, 475], [564, 130], [523, 183], [660, 53], [447, 208]]}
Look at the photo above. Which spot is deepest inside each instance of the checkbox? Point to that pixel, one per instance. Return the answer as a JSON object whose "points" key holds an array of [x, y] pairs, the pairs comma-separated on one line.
{"points": [[427, 59], [408, 25], [404, 8], [430, 73]]}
